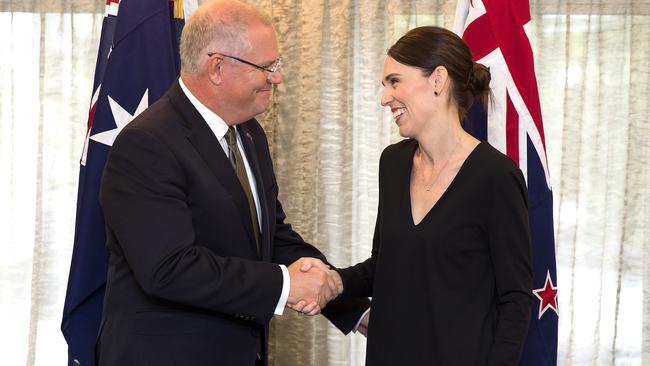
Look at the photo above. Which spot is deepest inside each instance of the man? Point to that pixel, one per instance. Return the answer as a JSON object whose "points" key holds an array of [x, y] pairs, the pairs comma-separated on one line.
{"points": [[193, 222]]}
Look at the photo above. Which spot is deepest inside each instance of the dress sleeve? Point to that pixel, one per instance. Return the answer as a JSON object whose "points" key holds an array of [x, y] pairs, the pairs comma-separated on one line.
{"points": [[510, 251], [358, 279]]}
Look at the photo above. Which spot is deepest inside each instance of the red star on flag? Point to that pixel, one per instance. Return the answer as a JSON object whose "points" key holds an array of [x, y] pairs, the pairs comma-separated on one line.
{"points": [[547, 296]]}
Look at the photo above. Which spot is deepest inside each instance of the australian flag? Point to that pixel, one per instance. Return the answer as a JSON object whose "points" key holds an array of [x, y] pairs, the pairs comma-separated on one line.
{"points": [[496, 33], [138, 60]]}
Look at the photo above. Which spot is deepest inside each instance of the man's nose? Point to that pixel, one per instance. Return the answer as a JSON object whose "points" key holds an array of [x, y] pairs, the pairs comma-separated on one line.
{"points": [[275, 77]]}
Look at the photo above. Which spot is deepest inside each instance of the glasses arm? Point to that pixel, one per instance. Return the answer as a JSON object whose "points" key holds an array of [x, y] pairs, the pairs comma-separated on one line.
{"points": [[273, 68]]}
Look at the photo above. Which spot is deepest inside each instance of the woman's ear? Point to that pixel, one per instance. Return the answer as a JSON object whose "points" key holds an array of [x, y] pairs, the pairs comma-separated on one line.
{"points": [[438, 79]]}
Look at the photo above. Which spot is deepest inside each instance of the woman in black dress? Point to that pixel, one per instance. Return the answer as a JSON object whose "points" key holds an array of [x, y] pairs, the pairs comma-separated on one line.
{"points": [[450, 272]]}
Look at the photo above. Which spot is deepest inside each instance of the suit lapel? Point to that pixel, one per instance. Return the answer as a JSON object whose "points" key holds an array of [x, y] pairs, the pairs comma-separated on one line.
{"points": [[210, 150], [251, 156]]}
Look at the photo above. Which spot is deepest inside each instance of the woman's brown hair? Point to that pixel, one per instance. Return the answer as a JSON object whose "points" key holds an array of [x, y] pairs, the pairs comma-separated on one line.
{"points": [[429, 47]]}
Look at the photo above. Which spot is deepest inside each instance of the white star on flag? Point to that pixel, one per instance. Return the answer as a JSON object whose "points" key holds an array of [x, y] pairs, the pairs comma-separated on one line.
{"points": [[122, 118]]}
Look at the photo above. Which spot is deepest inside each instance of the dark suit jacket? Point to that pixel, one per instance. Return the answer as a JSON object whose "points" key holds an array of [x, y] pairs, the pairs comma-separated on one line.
{"points": [[185, 283]]}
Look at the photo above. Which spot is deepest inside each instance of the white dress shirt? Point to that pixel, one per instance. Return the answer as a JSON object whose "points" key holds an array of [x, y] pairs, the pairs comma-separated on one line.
{"points": [[220, 128]]}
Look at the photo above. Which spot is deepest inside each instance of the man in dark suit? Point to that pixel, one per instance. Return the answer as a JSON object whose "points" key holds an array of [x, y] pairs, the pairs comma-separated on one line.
{"points": [[200, 255]]}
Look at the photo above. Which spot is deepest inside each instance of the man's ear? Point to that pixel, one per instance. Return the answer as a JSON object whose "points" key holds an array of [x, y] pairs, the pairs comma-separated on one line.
{"points": [[215, 69]]}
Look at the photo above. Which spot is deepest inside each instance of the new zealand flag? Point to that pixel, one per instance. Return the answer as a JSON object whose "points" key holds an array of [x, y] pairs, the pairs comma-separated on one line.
{"points": [[137, 61], [496, 33]]}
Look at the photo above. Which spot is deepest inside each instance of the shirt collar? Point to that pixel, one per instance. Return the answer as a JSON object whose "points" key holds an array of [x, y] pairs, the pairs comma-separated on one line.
{"points": [[216, 123]]}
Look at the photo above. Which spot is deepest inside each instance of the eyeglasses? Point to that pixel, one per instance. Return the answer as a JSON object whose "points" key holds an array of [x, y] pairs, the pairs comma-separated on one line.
{"points": [[275, 66]]}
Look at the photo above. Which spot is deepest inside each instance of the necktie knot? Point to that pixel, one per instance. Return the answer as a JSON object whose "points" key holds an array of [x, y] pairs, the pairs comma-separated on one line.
{"points": [[231, 137], [233, 151]]}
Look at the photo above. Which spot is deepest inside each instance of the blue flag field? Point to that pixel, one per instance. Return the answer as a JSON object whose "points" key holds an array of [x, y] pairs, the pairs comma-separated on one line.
{"points": [[137, 61]]}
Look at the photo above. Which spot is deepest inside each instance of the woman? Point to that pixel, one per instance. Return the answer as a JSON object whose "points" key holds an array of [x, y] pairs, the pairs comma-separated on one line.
{"points": [[450, 273]]}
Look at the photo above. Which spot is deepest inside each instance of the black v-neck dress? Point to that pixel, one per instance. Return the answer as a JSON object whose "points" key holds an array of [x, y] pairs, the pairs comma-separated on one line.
{"points": [[456, 288]]}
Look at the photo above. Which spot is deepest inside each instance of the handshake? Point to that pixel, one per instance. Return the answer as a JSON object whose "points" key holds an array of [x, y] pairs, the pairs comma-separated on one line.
{"points": [[313, 285]]}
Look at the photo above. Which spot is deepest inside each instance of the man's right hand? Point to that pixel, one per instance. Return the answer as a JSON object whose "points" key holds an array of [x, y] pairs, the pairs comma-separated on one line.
{"points": [[311, 284]]}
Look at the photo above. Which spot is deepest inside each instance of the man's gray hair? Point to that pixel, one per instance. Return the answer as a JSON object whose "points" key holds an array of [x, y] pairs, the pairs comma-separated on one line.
{"points": [[221, 31]]}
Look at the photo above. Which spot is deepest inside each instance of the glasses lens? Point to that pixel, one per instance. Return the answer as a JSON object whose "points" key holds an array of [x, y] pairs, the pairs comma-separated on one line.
{"points": [[275, 66]]}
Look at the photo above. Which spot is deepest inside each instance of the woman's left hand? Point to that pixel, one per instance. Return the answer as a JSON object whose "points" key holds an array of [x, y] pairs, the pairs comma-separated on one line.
{"points": [[363, 325]]}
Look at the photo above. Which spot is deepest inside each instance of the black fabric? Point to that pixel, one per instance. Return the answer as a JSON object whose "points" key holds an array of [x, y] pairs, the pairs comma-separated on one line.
{"points": [[456, 288], [185, 284]]}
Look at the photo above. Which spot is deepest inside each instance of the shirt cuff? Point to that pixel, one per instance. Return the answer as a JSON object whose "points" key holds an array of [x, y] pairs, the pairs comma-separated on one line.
{"points": [[356, 327], [284, 296]]}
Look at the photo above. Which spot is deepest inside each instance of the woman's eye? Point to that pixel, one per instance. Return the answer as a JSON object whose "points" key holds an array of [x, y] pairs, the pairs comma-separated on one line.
{"points": [[393, 81]]}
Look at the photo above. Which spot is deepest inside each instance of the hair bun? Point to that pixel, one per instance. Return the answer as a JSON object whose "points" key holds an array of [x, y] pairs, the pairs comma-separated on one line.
{"points": [[479, 79]]}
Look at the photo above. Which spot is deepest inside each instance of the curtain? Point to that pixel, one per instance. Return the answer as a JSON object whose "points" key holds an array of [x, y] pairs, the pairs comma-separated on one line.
{"points": [[594, 74], [47, 59], [326, 131]]}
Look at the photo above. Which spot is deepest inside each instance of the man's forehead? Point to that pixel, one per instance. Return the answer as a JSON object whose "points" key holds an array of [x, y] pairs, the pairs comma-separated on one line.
{"points": [[264, 42]]}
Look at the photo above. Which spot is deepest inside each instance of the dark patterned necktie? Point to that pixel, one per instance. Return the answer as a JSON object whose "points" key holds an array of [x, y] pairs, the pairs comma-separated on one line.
{"points": [[239, 166]]}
